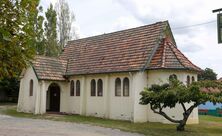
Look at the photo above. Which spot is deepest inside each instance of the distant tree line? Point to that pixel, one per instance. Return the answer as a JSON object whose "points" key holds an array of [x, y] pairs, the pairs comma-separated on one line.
{"points": [[26, 31], [207, 74]]}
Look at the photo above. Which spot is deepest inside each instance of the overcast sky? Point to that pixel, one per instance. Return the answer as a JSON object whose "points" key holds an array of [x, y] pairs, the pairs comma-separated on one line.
{"points": [[198, 43]]}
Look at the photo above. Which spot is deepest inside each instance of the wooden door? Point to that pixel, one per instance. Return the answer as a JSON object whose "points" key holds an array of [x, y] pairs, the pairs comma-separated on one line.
{"points": [[55, 98]]}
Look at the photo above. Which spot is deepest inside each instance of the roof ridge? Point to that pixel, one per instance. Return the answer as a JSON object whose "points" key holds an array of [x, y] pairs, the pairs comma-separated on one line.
{"points": [[67, 64], [163, 55], [175, 53], [171, 47], [118, 31], [157, 45]]}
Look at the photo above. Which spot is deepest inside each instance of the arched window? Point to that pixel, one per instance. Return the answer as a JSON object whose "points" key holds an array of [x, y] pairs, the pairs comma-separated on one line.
{"points": [[188, 80], [193, 79], [118, 87], [77, 88], [31, 88], [93, 87], [72, 87], [100, 87], [172, 77], [126, 87]]}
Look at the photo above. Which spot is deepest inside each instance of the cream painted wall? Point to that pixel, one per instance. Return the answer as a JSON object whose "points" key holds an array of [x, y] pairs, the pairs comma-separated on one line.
{"points": [[95, 105], [26, 103], [120, 107], [73, 102], [140, 111], [64, 93], [162, 76], [108, 105]]}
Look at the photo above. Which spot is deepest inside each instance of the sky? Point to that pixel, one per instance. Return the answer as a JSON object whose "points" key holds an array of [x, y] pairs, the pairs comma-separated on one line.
{"points": [[197, 42]]}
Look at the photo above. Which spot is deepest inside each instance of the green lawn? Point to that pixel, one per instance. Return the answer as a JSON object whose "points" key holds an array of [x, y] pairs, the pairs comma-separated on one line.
{"points": [[209, 125]]}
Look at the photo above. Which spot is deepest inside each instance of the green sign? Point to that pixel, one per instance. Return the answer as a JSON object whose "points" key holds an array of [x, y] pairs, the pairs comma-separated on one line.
{"points": [[219, 27]]}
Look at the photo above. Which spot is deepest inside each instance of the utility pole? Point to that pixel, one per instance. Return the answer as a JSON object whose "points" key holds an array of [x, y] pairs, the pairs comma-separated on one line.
{"points": [[219, 24]]}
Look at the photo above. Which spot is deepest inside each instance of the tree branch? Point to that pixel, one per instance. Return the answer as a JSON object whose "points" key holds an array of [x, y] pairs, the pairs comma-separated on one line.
{"points": [[191, 108], [184, 108], [160, 112]]}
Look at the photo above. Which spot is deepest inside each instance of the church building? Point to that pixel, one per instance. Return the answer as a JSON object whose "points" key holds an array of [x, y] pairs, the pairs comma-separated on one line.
{"points": [[103, 75]]}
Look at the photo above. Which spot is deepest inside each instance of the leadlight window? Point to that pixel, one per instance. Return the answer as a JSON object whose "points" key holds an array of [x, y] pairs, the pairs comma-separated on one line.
{"points": [[31, 88], [126, 86], [77, 88], [72, 88], [100, 87], [188, 80], [93, 87], [193, 79], [118, 87]]}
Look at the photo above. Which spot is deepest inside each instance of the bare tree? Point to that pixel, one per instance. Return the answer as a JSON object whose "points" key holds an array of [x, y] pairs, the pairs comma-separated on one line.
{"points": [[65, 23]]}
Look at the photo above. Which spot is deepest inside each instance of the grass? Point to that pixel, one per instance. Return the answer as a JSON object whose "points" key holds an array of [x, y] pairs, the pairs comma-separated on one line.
{"points": [[209, 125]]}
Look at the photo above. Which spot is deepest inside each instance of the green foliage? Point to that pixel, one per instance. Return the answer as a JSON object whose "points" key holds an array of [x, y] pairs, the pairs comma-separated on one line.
{"points": [[17, 35], [51, 44], [11, 87], [168, 95], [39, 45], [207, 74]]}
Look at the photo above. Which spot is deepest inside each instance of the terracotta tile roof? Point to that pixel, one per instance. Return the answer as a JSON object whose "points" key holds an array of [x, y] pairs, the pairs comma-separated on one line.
{"points": [[126, 50], [210, 90], [49, 68], [135, 49], [168, 56]]}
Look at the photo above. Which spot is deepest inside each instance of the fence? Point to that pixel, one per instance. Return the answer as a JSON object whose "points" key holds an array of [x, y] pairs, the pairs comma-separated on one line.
{"points": [[217, 112]]}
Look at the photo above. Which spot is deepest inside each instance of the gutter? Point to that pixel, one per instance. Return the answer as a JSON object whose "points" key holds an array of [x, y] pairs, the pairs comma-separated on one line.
{"points": [[35, 72]]}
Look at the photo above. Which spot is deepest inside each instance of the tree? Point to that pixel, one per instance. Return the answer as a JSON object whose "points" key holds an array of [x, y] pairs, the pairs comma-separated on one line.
{"points": [[51, 44], [207, 74], [39, 45], [168, 95], [11, 87], [17, 35], [66, 19]]}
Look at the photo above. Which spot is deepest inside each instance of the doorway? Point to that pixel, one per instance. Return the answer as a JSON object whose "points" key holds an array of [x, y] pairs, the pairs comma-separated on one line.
{"points": [[53, 98]]}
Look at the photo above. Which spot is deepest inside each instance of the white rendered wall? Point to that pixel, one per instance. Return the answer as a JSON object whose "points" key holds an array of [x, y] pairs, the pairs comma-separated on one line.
{"points": [[140, 111], [73, 102], [26, 103], [106, 106], [95, 105], [64, 99], [121, 107], [162, 76]]}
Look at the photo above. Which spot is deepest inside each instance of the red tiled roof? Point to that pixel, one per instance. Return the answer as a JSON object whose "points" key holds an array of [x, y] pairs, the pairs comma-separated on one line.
{"points": [[210, 90], [49, 68], [135, 49], [168, 56], [126, 50]]}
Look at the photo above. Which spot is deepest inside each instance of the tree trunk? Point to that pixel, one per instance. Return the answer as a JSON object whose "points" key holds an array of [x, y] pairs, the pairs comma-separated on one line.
{"points": [[181, 126], [182, 123]]}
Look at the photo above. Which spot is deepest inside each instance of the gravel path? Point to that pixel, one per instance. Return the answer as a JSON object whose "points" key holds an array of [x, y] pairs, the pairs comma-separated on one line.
{"points": [[12, 126]]}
